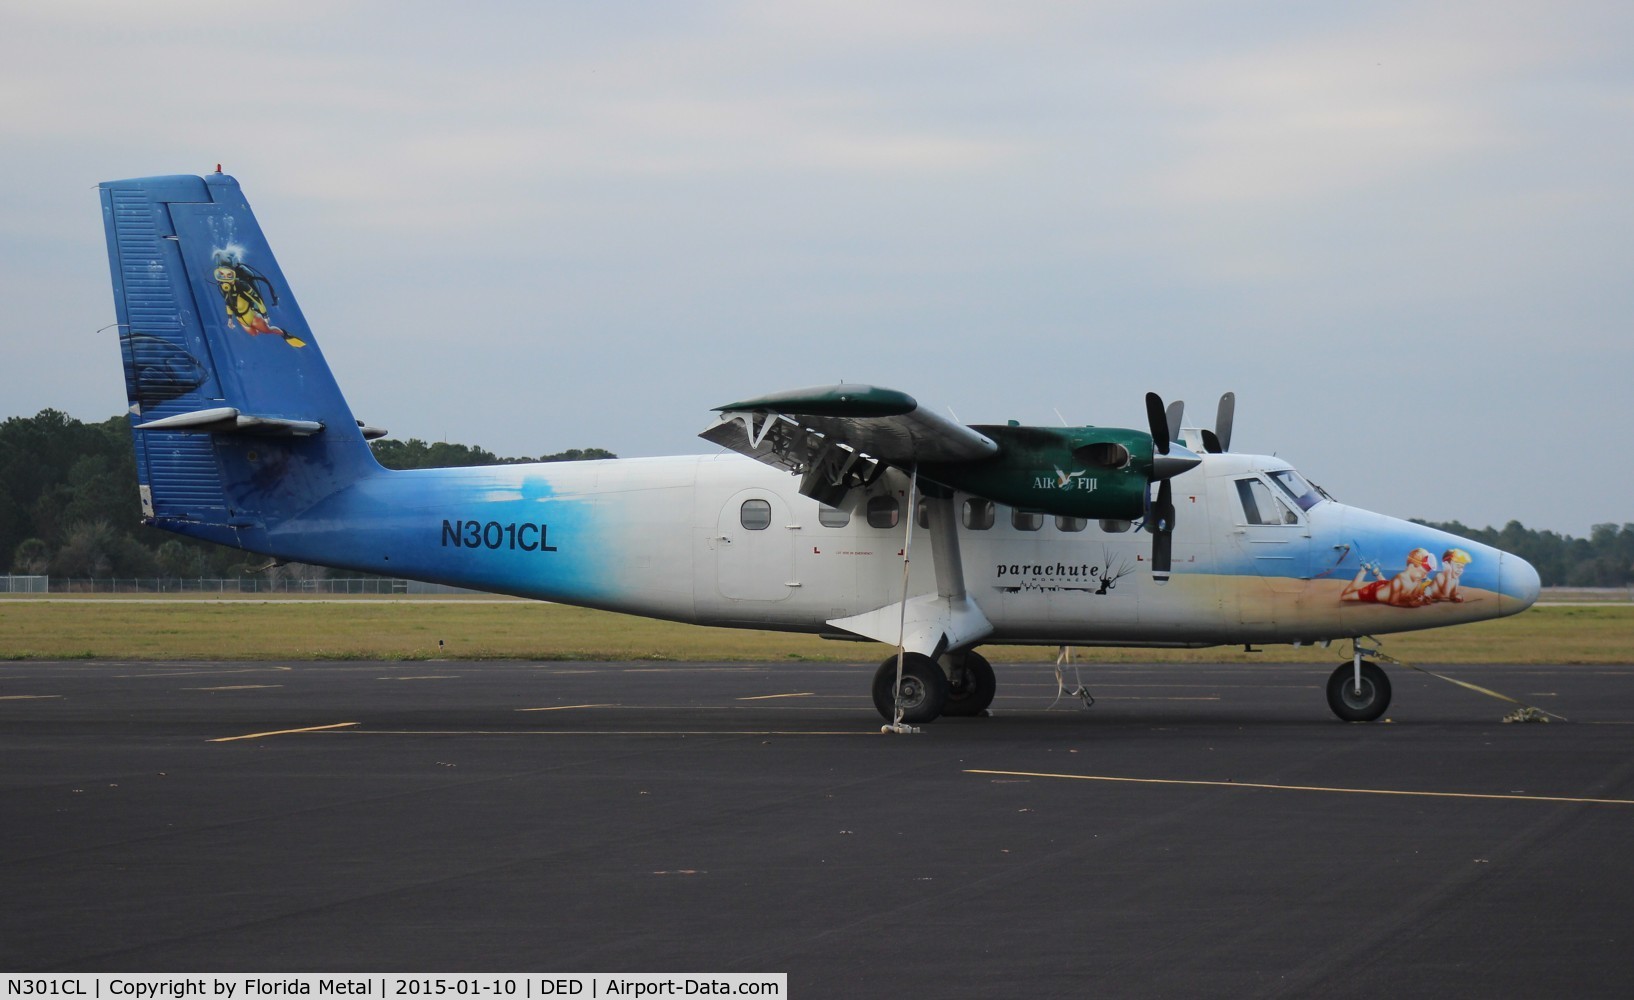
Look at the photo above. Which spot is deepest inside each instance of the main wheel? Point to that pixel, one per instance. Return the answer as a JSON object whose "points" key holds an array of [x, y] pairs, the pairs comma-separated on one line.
{"points": [[1352, 705], [971, 685], [923, 692]]}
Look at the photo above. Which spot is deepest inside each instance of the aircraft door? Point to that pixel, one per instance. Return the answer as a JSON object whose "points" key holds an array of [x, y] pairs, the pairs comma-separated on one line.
{"points": [[1273, 546], [754, 547]]}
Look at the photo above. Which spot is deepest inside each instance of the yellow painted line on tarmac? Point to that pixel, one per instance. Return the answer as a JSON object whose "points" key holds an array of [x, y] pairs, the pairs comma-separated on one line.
{"points": [[1158, 697], [688, 670], [614, 732], [236, 687], [769, 697], [200, 673], [1306, 788], [281, 732], [27, 697], [563, 708]]}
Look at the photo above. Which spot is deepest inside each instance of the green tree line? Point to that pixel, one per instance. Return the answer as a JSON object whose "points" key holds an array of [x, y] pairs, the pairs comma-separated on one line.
{"points": [[69, 507], [1604, 559]]}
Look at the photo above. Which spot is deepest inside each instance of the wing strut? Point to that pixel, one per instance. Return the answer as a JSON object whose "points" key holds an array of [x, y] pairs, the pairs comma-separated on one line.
{"points": [[897, 725]]}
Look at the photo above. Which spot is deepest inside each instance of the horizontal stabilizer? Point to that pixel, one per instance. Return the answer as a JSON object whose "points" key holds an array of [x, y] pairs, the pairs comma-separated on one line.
{"points": [[227, 420]]}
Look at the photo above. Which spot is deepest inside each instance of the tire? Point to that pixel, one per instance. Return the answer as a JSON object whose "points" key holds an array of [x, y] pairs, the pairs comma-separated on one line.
{"points": [[924, 689], [972, 686], [1352, 706]]}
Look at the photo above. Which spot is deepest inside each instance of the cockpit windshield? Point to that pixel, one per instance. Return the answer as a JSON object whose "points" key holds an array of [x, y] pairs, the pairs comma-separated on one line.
{"points": [[1298, 488]]}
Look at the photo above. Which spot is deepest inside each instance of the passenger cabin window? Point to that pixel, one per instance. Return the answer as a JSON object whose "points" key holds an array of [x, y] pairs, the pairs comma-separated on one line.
{"points": [[1070, 523], [978, 514], [1260, 506], [1023, 521], [883, 512], [832, 517], [923, 517], [1115, 525], [755, 515]]}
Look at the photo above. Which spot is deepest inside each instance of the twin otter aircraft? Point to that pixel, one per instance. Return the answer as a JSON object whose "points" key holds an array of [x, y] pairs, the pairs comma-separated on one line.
{"points": [[804, 522]]}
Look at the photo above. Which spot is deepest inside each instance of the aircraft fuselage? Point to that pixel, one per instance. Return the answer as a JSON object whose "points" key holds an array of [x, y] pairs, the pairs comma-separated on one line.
{"points": [[723, 540]]}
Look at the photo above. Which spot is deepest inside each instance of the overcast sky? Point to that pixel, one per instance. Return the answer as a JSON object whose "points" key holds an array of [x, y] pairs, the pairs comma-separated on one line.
{"points": [[1403, 233]]}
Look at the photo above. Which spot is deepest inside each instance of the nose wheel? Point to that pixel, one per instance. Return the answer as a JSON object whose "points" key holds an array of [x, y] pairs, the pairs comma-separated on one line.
{"points": [[1355, 702]]}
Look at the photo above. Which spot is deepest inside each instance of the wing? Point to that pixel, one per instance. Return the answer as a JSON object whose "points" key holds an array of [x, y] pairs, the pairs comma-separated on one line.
{"points": [[841, 436]]}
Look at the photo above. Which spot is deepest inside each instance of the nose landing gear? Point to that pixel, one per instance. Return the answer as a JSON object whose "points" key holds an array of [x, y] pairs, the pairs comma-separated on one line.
{"points": [[1358, 691]]}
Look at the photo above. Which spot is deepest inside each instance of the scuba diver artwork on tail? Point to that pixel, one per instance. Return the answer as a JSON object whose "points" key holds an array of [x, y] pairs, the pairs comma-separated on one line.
{"points": [[240, 286]]}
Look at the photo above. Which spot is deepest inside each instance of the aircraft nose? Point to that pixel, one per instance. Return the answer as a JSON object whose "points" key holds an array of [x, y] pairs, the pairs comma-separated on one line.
{"points": [[1518, 580]]}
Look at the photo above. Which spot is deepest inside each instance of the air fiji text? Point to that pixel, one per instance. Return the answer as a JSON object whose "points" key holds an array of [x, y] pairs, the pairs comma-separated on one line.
{"points": [[495, 535]]}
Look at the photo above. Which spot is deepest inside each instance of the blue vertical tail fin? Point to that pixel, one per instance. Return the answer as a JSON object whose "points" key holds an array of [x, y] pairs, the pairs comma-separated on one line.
{"points": [[237, 421]]}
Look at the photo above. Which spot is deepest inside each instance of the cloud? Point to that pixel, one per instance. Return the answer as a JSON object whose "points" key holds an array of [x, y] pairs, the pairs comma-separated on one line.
{"points": [[1327, 208]]}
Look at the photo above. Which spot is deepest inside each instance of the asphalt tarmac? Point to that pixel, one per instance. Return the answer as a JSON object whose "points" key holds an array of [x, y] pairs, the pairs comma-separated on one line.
{"points": [[1201, 831]]}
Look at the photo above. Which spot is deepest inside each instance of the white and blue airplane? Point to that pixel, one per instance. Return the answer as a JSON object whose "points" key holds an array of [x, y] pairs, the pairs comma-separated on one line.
{"points": [[803, 521]]}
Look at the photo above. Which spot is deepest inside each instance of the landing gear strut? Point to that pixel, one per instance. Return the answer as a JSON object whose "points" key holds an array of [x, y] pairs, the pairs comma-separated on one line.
{"points": [[1361, 702]]}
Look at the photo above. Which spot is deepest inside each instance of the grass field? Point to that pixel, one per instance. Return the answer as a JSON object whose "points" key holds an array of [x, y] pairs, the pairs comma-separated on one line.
{"points": [[412, 629]]}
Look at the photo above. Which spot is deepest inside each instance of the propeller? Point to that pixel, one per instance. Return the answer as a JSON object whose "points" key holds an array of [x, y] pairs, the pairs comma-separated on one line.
{"points": [[1169, 459]]}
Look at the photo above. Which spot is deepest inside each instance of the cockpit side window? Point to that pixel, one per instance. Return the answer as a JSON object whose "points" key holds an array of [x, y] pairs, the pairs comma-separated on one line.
{"points": [[1260, 506], [1297, 487]]}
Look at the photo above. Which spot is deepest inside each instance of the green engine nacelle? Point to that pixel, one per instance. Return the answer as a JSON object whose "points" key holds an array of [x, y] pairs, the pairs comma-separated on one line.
{"points": [[1089, 472]]}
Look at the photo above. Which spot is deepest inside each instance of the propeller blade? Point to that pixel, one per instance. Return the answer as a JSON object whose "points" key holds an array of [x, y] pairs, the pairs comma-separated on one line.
{"points": [[1160, 522], [1158, 421], [1176, 413], [1160, 518], [1223, 419], [1211, 442]]}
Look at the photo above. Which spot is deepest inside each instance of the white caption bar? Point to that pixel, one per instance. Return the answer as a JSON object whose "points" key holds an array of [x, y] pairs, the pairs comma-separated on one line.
{"points": [[396, 986]]}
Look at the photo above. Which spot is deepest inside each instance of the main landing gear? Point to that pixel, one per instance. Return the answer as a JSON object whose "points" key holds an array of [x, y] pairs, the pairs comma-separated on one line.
{"points": [[964, 686]]}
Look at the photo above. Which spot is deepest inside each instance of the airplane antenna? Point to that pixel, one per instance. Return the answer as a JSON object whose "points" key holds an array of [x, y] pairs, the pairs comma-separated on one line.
{"points": [[955, 415], [1059, 417]]}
